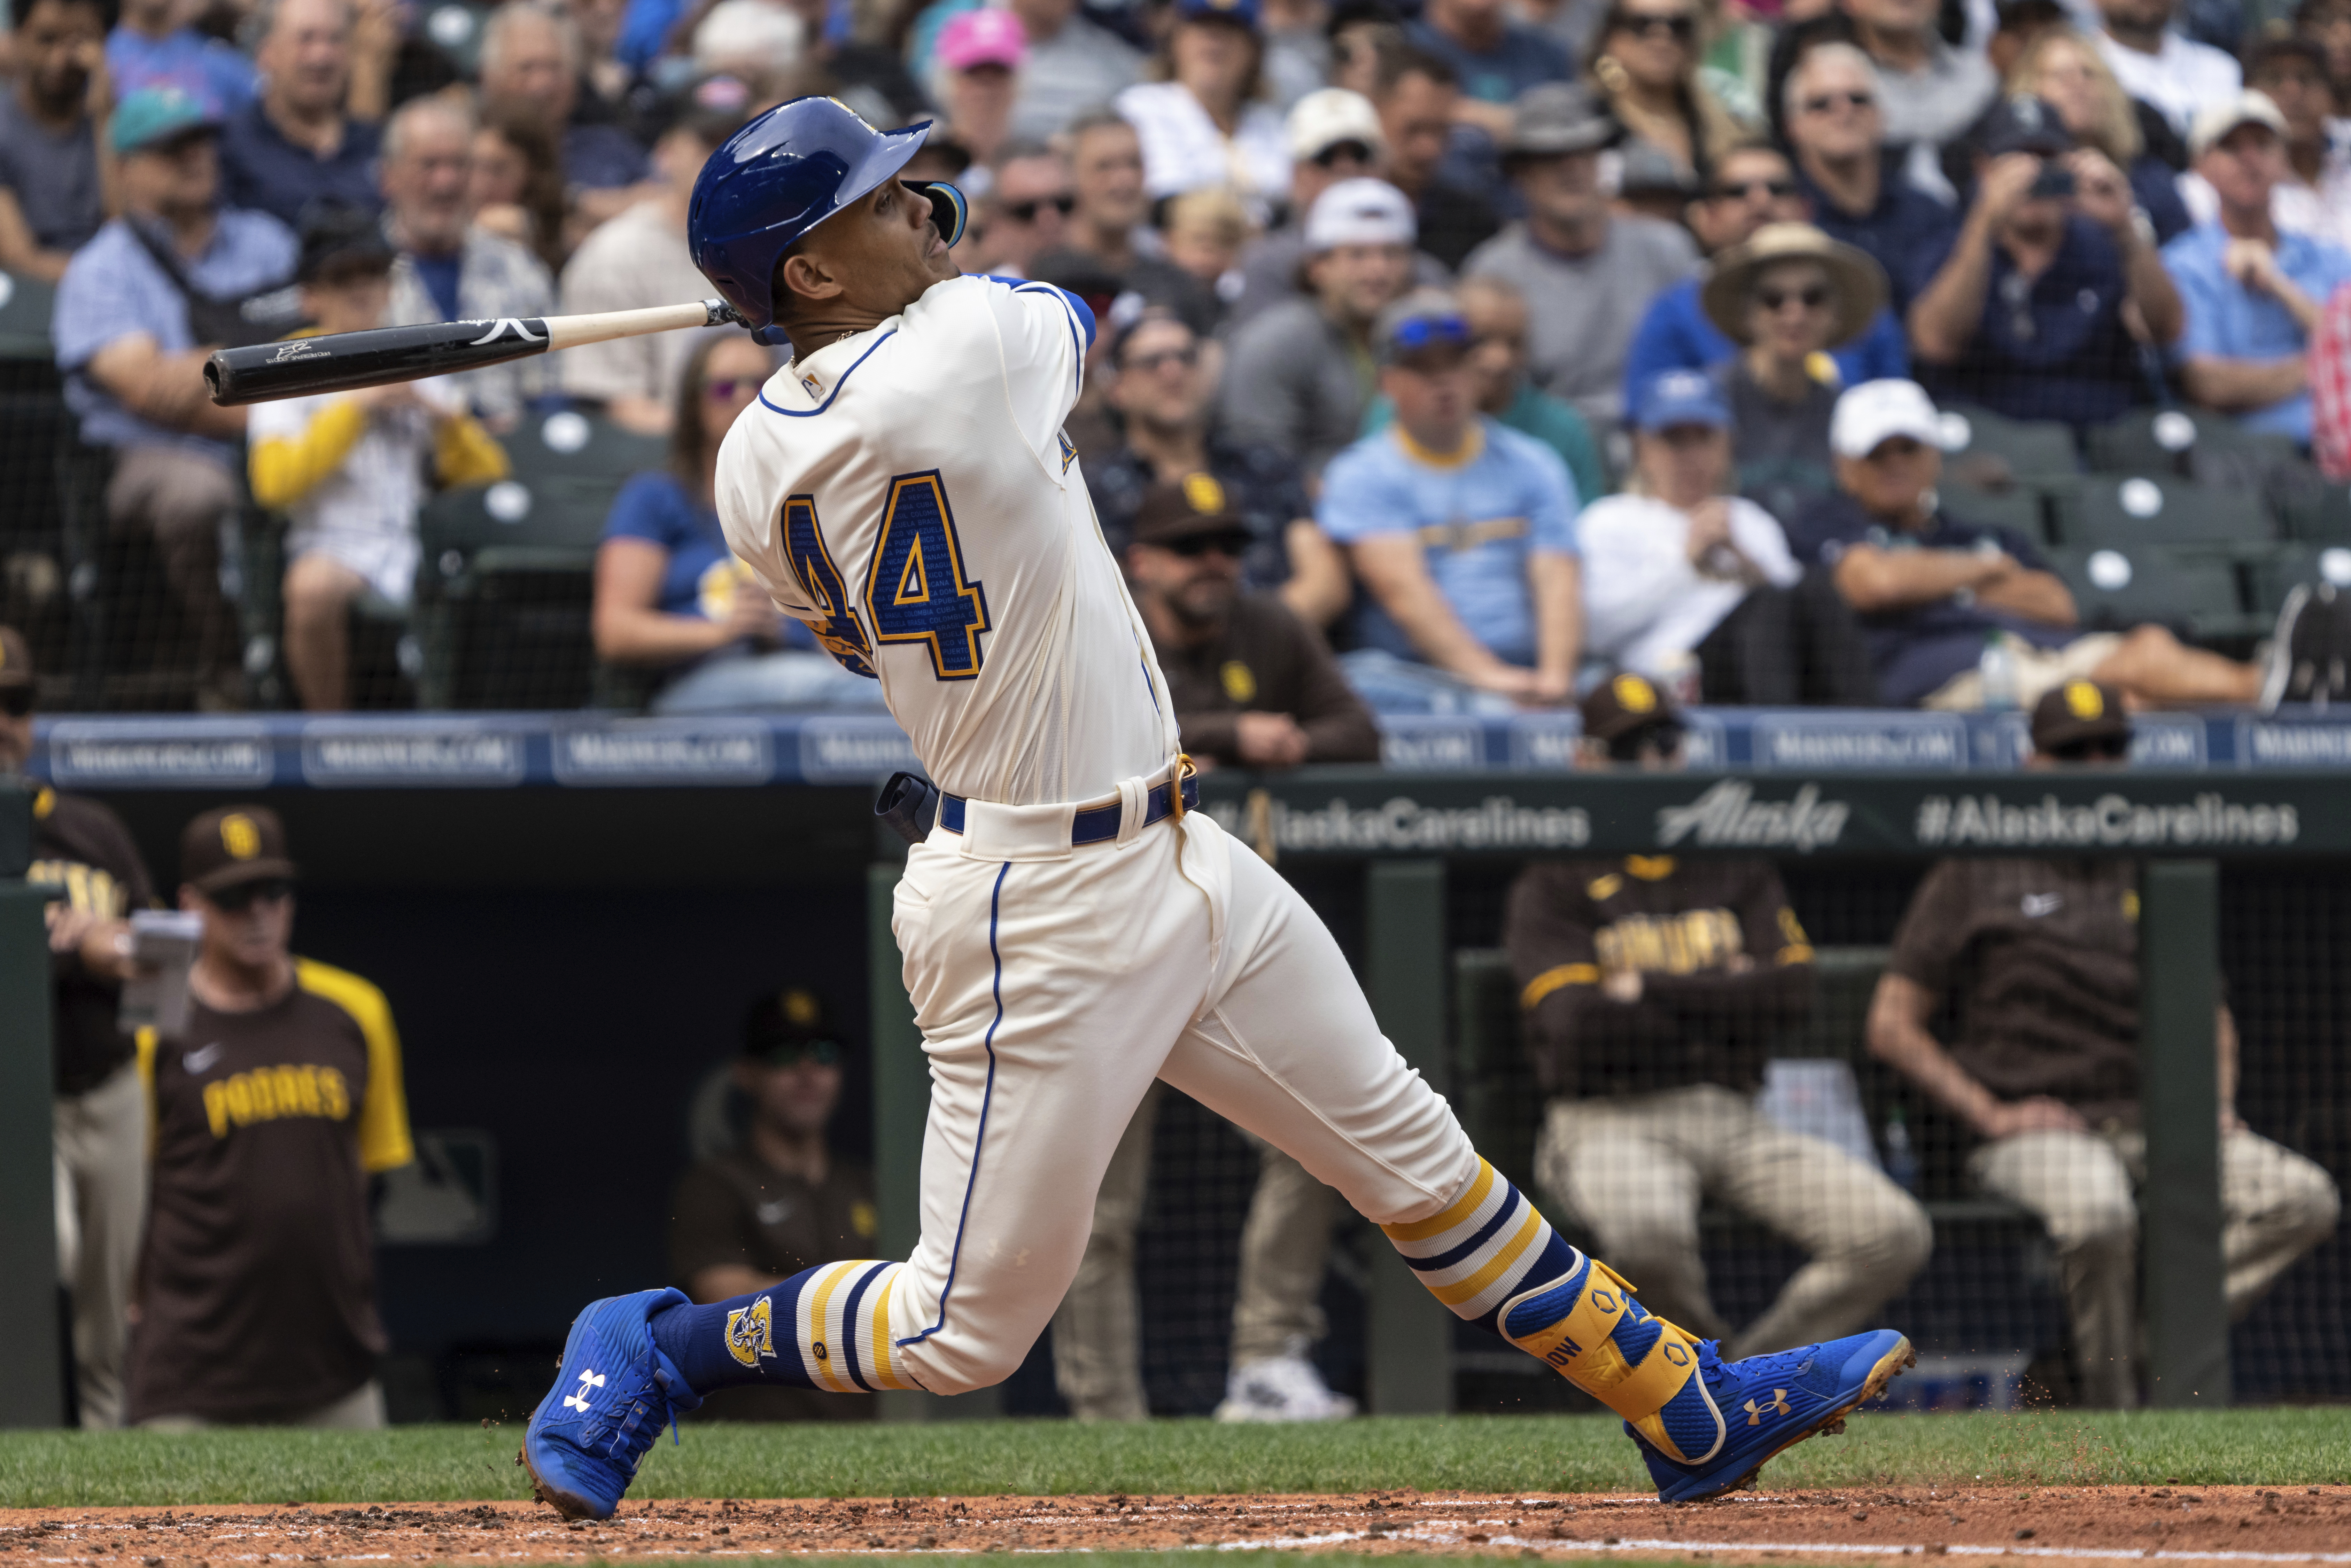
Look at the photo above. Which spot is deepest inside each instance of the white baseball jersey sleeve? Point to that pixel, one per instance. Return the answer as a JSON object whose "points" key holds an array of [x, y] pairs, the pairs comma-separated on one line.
{"points": [[908, 493]]}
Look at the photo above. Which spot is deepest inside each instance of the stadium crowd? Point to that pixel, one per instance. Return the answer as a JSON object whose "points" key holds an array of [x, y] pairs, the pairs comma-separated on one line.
{"points": [[1521, 340]]}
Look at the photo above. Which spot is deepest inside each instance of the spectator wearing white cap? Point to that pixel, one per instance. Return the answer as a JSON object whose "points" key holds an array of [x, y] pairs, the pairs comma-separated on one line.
{"points": [[1334, 134], [1587, 274], [1073, 65], [2252, 291], [1933, 590], [1301, 372]]}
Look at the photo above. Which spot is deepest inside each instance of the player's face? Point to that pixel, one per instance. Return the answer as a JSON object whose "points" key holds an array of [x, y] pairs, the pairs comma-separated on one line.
{"points": [[1198, 580], [874, 259], [245, 928], [795, 1099]]}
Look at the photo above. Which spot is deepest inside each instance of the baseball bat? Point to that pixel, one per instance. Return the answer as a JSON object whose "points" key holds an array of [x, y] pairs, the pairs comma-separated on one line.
{"points": [[340, 361]]}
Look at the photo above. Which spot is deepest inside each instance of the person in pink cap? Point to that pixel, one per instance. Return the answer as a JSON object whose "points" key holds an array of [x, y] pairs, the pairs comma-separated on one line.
{"points": [[979, 58]]}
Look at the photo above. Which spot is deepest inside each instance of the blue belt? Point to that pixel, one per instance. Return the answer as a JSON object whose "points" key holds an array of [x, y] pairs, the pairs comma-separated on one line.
{"points": [[1096, 824]]}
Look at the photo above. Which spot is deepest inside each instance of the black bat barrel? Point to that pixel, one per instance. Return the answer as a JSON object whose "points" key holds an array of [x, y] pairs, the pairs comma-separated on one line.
{"points": [[301, 367]]}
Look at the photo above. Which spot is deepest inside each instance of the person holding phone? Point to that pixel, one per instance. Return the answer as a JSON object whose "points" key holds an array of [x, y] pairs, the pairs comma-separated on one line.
{"points": [[2051, 284]]}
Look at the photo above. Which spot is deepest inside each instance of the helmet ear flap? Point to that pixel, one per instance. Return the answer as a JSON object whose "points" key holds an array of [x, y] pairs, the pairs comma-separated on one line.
{"points": [[950, 208]]}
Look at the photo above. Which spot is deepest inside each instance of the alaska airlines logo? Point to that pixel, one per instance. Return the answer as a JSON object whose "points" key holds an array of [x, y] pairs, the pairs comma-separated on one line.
{"points": [[751, 1332], [1777, 1405], [503, 327], [1729, 815]]}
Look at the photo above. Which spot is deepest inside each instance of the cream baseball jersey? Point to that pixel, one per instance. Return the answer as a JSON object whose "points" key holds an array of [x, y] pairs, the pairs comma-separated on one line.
{"points": [[907, 492]]}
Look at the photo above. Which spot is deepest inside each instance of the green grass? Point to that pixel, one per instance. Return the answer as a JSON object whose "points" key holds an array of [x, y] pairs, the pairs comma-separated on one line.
{"points": [[1571, 1453]]}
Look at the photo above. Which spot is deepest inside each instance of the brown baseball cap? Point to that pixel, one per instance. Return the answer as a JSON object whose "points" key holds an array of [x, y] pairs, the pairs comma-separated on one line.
{"points": [[782, 1025], [1184, 508], [231, 846], [2078, 712], [15, 658], [1627, 702]]}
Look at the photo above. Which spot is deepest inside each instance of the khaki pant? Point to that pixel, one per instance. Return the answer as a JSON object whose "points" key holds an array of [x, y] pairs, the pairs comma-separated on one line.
{"points": [[1634, 1169], [1285, 1246], [101, 1139], [361, 1410], [179, 497], [2274, 1207]]}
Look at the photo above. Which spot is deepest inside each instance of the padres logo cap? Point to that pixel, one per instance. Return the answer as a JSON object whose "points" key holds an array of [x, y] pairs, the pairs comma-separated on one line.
{"points": [[1627, 702], [2076, 712], [783, 1025], [231, 846], [1186, 508]]}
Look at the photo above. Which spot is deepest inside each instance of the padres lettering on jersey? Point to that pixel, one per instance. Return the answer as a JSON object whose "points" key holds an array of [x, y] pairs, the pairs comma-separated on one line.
{"points": [[908, 494]]}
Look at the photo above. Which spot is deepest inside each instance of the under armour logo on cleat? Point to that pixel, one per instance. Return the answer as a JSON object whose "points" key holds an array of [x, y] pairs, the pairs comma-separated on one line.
{"points": [[1778, 1401], [590, 1380]]}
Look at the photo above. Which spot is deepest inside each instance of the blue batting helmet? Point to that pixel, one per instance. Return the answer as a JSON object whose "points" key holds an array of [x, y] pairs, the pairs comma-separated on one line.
{"points": [[780, 176]]}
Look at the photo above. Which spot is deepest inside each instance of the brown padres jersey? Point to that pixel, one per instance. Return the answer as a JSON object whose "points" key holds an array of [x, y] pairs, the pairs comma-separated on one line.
{"points": [[1701, 1018], [2038, 960], [257, 1281], [736, 1209], [85, 848]]}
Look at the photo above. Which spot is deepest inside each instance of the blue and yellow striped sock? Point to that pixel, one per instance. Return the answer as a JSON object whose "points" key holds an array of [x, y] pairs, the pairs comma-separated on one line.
{"points": [[827, 1327], [1493, 1258]]}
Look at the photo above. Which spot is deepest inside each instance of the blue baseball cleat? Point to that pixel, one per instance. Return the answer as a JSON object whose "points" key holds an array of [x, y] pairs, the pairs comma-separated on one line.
{"points": [[612, 1396], [1772, 1401]]}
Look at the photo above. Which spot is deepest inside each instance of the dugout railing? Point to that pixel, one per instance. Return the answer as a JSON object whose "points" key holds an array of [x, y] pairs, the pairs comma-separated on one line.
{"points": [[435, 805]]}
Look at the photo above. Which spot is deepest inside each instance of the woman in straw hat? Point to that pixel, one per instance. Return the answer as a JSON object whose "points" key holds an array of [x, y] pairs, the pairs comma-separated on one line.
{"points": [[1786, 298]]}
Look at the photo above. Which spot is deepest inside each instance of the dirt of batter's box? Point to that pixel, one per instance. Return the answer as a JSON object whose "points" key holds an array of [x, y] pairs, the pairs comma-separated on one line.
{"points": [[1858, 1525]]}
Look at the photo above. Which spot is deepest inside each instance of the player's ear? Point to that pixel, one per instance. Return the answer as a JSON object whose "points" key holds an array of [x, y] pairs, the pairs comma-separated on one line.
{"points": [[804, 275]]}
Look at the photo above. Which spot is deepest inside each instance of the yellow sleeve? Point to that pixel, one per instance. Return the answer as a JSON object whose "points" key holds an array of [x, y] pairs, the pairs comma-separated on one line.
{"points": [[146, 1041], [465, 453], [286, 469], [384, 1143]]}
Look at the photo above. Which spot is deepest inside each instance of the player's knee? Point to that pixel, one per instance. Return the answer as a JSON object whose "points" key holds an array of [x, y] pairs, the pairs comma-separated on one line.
{"points": [[2307, 1205], [1895, 1243], [2102, 1224]]}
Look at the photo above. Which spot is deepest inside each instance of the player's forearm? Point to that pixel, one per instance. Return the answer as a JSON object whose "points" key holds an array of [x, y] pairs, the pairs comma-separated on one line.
{"points": [[1903, 1042]]}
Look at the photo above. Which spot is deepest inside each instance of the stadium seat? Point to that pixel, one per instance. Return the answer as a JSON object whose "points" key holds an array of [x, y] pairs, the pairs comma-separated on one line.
{"points": [[2104, 511], [26, 303], [2322, 517], [2023, 507], [1995, 447], [505, 582], [2119, 587], [2274, 572], [2185, 443]]}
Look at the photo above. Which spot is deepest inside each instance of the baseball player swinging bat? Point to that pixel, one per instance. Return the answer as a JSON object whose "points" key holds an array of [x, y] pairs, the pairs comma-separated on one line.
{"points": [[343, 361]]}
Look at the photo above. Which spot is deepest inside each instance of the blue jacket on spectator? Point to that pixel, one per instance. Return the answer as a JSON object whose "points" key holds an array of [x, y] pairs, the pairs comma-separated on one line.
{"points": [[1676, 336], [263, 171], [2061, 353], [1908, 232]]}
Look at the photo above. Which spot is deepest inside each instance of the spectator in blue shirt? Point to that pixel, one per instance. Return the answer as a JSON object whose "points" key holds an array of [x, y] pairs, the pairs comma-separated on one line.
{"points": [[152, 47], [1835, 119], [2253, 293], [1494, 58], [1752, 185], [1463, 532], [669, 595], [1932, 591], [133, 360], [2026, 314], [297, 144]]}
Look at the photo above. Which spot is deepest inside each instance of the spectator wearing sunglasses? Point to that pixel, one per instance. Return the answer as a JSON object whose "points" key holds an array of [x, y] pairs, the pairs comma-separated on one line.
{"points": [[1461, 530], [1752, 185], [1252, 685], [1650, 987], [100, 1112], [774, 1199], [671, 599], [1647, 69], [1162, 387], [1301, 372], [1932, 590], [2035, 963], [271, 1111], [1859, 193], [1587, 274], [2039, 308], [1024, 214]]}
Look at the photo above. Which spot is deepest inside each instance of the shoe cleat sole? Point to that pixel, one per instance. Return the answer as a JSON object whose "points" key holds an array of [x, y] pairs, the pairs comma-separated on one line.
{"points": [[570, 1505], [1831, 1421]]}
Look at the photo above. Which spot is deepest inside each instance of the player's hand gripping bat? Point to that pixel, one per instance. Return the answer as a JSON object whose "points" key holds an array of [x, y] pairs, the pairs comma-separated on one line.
{"points": [[338, 361]]}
